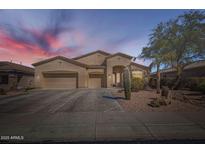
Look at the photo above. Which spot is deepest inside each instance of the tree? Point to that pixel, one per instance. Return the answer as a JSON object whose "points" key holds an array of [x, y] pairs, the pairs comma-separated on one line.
{"points": [[153, 51], [184, 41], [177, 43]]}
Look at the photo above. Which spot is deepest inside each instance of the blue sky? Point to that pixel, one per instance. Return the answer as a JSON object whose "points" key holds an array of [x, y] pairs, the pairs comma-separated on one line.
{"points": [[32, 35]]}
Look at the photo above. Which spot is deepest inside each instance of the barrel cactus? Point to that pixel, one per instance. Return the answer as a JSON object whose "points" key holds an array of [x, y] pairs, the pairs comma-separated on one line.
{"points": [[127, 83]]}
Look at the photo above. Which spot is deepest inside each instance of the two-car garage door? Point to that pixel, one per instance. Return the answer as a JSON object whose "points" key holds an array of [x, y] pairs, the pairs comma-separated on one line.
{"points": [[60, 83], [69, 80], [63, 80]]}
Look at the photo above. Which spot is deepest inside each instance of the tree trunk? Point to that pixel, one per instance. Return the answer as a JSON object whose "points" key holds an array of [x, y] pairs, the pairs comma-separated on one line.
{"points": [[178, 78], [158, 79]]}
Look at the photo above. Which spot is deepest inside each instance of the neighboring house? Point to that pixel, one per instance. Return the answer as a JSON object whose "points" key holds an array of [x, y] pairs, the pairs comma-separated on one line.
{"points": [[193, 70], [93, 70], [15, 76]]}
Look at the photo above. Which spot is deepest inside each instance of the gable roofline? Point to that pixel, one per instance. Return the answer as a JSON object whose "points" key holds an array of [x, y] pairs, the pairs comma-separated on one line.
{"points": [[62, 58], [7, 66], [139, 65], [120, 54], [91, 53]]}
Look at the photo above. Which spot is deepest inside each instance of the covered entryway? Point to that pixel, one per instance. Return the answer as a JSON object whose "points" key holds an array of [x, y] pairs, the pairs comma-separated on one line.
{"points": [[117, 76], [95, 80], [60, 80]]}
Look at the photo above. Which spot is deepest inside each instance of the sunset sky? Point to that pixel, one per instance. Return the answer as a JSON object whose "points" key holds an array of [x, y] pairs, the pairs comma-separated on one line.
{"points": [[28, 36]]}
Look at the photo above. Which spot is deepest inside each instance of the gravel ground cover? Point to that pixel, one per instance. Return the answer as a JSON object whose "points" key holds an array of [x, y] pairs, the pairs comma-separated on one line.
{"points": [[139, 103]]}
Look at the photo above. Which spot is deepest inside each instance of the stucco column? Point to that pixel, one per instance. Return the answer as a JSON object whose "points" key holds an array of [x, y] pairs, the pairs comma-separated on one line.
{"points": [[109, 76], [115, 78]]}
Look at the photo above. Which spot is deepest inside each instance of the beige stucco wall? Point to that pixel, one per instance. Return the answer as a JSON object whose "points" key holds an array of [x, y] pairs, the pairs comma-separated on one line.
{"points": [[136, 68], [95, 70], [94, 59], [115, 61], [26, 82], [61, 65], [83, 73]]}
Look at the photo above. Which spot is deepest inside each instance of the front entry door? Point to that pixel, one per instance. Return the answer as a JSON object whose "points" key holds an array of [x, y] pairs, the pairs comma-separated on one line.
{"points": [[118, 79]]}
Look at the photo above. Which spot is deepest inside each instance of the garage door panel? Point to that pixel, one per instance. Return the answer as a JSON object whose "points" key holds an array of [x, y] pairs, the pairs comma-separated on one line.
{"points": [[94, 83], [60, 75], [60, 83]]}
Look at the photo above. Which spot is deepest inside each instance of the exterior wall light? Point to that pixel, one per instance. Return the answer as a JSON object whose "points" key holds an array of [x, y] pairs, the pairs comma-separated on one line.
{"points": [[38, 77]]}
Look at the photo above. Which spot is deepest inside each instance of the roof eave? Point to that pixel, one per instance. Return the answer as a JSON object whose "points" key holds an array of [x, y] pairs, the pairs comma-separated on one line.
{"points": [[139, 65], [62, 58], [91, 53], [119, 54]]}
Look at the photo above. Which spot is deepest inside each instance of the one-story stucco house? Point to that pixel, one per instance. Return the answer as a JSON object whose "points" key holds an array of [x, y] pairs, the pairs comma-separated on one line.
{"points": [[193, 71], [15, 76], [93, 70]]}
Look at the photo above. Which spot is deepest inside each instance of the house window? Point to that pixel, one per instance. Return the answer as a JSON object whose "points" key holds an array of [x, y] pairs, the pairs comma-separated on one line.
{"points": [[137, 74], [4, 79]]}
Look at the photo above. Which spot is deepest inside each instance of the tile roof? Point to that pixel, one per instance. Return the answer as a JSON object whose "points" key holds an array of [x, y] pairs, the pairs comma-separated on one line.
{"points": [[91, 53], [9, 66]]}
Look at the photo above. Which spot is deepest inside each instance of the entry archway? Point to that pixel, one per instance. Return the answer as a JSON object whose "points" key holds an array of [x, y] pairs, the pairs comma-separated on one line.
{"points": [[117, 76]]}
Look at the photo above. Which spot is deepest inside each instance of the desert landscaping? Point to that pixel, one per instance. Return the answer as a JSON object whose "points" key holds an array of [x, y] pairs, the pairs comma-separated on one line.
{"points": [[108, 96], [140, 101]]}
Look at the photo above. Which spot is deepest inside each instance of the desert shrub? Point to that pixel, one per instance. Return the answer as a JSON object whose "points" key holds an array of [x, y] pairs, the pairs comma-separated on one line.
{"points": [[2, 92], [169, 82], [190, 83], [29, 88], [201, 87], [137, 84], [193, 83]]}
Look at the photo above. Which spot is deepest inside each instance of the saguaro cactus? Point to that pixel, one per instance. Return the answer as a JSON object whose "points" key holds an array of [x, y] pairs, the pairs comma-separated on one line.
{"points": [[127, 83]]}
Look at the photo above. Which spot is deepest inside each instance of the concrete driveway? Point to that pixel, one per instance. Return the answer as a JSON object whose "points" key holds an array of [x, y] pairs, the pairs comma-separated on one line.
{"points": [[86, 115], [54, 101]]}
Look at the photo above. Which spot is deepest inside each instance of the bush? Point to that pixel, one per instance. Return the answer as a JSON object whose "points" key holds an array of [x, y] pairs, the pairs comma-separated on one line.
{"points": [[167, 82], [2, 92], [193, 83], [201, 87], [137, 84], [29, 88]]}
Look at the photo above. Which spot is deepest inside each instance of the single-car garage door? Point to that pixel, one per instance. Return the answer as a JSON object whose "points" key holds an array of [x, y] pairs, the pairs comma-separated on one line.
{"points": [[95, 80], [94, 83], [60, 80]]}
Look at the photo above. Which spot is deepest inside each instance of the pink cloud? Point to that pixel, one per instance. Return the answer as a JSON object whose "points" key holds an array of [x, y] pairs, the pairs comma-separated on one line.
{"points": [[19, 51]]}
